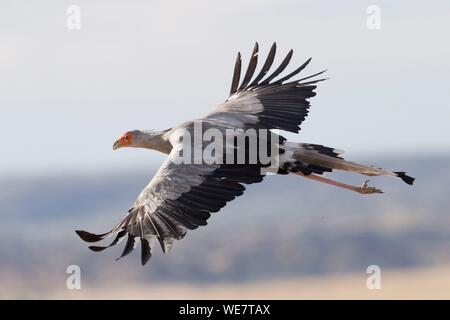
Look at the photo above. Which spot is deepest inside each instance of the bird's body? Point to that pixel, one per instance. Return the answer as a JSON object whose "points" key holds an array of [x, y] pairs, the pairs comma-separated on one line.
{"points": [[211, 159]]}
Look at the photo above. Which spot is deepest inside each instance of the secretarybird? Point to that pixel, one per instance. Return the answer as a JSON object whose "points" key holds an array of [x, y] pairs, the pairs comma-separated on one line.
{"points": [[183, 194]]}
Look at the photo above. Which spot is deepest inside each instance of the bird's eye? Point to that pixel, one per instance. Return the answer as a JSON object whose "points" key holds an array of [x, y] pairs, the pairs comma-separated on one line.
{"points": [[126, 137]]}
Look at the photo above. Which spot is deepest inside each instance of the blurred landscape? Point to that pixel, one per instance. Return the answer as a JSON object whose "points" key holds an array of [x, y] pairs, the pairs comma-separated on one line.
{"points": [[285, 238]]}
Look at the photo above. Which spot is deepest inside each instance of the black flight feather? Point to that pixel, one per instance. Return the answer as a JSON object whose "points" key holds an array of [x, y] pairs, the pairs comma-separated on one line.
{"points": [[280, 69], [119, 236], [146, 252], [91, 237], [129, 246], [251, 67], [293, 73], [266, 66], [236, 74]]}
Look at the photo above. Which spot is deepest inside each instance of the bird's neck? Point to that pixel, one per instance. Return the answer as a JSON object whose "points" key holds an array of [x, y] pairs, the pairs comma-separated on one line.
{"points": [[155, 141]]}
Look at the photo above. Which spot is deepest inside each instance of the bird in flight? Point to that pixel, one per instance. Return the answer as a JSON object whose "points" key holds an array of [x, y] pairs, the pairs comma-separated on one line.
{"points": [[183, 194]]}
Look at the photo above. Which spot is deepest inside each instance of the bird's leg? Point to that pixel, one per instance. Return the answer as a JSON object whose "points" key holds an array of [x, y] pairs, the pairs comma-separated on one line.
{"points": [[364, 189]]}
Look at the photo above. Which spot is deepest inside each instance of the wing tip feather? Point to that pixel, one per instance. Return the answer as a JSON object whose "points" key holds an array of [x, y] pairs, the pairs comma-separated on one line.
{"points": [[97, 248], [90, 237], [146, 251]]}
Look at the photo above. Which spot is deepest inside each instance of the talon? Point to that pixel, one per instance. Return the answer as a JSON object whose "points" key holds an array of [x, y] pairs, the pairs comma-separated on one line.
{"points": [[365, 189], [366, 184]]}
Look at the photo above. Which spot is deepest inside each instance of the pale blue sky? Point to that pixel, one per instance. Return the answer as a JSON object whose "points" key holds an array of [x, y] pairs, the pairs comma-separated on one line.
{"points": [[67, 95]]}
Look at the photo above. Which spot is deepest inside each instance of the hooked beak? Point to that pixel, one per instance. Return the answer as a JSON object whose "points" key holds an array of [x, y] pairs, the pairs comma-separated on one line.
{"points": [[117, 145]]}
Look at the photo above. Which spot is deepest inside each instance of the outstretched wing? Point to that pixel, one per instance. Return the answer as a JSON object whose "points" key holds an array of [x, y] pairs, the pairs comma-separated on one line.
{"points": [[180, 197], [268, 103]]}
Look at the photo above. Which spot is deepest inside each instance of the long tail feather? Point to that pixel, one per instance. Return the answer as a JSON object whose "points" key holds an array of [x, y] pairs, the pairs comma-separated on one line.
{"points": [[313, 158], [402, 175]]}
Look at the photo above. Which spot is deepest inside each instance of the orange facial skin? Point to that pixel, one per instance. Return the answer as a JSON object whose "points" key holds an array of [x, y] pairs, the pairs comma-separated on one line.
{"points": [[126, 139]]}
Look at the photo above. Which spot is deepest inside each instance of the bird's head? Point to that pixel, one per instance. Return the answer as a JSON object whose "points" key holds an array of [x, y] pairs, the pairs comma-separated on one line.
{"points": [[128, 139], [141, 139]]}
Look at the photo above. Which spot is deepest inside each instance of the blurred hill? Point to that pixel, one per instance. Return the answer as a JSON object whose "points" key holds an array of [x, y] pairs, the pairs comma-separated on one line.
{"points": [[415, 283], [285, 228]]}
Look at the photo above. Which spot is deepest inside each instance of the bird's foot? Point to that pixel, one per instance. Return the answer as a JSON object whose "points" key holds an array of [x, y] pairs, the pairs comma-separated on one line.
{"points": [[365, 189]]}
